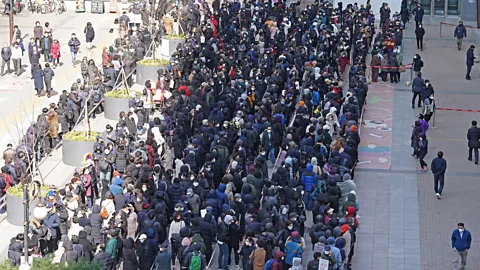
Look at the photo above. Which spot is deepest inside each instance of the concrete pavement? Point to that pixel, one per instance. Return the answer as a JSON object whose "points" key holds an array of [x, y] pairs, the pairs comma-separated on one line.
{"points": [[403, 224], [19, 104]]}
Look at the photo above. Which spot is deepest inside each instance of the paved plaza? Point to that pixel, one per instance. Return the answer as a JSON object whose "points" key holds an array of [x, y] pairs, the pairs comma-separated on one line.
{"points": [[403, 224]]}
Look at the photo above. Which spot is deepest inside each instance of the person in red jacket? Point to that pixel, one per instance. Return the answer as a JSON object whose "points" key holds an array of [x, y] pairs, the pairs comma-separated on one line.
{"points": [[215, 24], [6, 178], [277, 263]]}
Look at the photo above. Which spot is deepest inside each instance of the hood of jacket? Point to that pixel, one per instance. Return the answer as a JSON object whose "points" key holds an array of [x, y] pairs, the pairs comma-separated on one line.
{"points": [[128, 243], [278, 255], [222, 188], [212, 194], [346, 177], [351, 197], [309, 167], [314, 161], [96, 209], [197, 238], [250, 179], [82, 235]]}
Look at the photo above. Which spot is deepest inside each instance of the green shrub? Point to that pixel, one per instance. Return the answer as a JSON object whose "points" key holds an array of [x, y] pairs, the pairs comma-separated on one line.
{"points": [[121, 93], [46, 264], [174, 36], [17, 191], [79, 136], [153, 62]]}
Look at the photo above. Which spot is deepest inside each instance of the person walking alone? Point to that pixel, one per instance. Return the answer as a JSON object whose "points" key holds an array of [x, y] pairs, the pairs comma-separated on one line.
{"points": [[461, 242], [473, 137], [422, 151], [418, 14], [438, 167], [74, 45], [419, 33], [417, 89], [460, 33], [470, 61], [6, 56]]}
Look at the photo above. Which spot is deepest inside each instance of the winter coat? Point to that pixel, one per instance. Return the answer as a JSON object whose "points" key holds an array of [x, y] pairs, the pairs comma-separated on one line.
{"points": [[258, 257], [96, 222], [460, 32], [86, 244], [293, 249], [175, 192], [121, 157], [55, 50], [130, 261], [38, 79], [470, 57], [103, 258], [69, 255], [309, 178], [473, 137], [53, 123], [163, 261], [89, 33]]}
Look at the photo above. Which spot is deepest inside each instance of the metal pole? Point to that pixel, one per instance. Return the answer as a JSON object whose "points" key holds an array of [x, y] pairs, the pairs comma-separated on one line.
{"points": [[441, 29], [10, 21], [25, 226]]}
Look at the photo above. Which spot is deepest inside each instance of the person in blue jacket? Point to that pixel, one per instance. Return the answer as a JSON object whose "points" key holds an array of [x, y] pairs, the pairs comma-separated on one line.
{"points": [[293, 248], [461, 242], [308, 180]]}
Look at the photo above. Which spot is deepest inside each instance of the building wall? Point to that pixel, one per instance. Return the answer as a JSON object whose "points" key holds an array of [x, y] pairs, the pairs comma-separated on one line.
{"points": [[468, 10]]}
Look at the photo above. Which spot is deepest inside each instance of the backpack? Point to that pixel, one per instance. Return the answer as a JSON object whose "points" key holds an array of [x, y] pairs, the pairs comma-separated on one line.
{"points": [[195, 262], [269, 264], [104, 212]]}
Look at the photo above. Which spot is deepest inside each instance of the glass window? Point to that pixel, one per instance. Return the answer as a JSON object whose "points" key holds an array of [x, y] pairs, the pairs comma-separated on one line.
{"points": [[426, 5], [453, 7], [439, 7]]}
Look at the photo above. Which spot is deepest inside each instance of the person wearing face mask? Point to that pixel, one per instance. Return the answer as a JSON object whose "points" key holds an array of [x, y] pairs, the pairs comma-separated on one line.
{"points": [[418, 14], [194, 201], [74, 44], [461, 243], [460, 33], [327, 255], [419, 33], [174, 234], [37, 33], [247, 249], [6, 55]]}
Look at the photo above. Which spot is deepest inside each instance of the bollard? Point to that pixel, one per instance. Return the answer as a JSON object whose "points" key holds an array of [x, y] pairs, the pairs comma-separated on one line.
{"points": [[433, 121], [441, 23]]}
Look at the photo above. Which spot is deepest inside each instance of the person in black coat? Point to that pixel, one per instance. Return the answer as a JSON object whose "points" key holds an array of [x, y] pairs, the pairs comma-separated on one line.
{"points": [[473, 137], [130, 261], [470, 61], [102, 257], [175, 192], [96, 222], [208, 234], [438, 167], [418, 13], [419, 33], [86, 244]]}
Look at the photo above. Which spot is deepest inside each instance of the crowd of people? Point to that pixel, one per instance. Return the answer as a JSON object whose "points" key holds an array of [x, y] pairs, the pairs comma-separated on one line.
{"points": [[255, 85]]}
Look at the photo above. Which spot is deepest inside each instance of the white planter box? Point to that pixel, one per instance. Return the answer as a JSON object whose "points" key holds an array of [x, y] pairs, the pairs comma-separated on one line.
{"points": [[169, 47]]}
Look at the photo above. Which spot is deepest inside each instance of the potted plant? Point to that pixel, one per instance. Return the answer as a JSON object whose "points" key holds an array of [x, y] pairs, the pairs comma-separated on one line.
{"points": [[170, 43], [116, 101], [14, 197], [75, 144], [147, 69]]}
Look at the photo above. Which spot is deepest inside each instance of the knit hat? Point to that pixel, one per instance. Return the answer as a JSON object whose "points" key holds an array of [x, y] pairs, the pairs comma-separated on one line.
{"points": [[327, 248], [331, 240], [189, 191]]}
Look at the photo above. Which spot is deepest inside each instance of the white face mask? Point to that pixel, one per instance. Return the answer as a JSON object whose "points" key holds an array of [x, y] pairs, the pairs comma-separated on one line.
{"points": [[461, 230], [144, 189], [290, 227], [195, 184], [327, 252]]}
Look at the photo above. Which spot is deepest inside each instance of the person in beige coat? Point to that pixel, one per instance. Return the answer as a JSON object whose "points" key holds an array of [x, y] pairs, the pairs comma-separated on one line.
{"points": [[53, 122], [258, 255]]}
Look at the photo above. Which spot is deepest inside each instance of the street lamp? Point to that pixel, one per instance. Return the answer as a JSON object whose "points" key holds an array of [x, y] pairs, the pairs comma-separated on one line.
{"points": [[40, 212], [10, 20]]}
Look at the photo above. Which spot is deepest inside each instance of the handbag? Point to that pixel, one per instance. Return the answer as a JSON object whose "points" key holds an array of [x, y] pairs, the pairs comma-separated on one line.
{"points": [[249, 265]]}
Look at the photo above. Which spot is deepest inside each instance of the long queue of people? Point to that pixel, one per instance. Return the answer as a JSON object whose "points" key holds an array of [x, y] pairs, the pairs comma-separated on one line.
{"points": [[249, 92]]}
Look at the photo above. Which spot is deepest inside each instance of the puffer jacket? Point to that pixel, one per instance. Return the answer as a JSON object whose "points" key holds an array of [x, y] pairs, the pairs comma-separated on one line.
{"points": [[96, 221], [86, 244], [69, 255], [130, 261], [175, 192], [15, 251], [308, 178], [121, 157]]}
